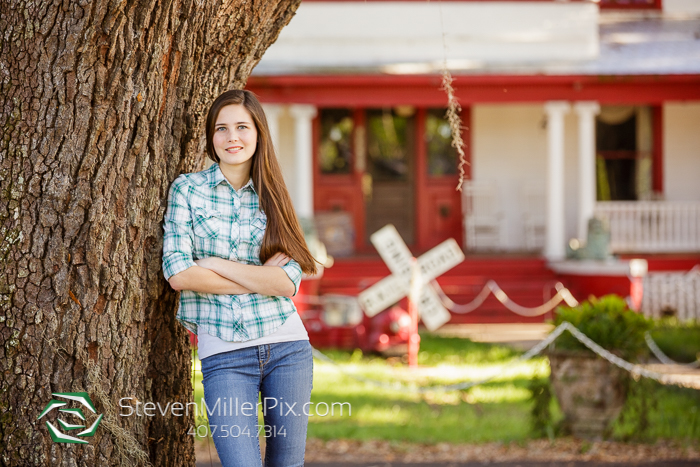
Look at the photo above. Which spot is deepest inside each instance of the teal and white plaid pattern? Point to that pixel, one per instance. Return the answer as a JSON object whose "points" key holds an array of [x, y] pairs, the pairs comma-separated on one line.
{"points": [[206, 217]]}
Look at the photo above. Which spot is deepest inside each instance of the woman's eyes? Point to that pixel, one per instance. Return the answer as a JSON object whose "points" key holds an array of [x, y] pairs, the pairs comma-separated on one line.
{"points": [[239, 127], [242, 127]]}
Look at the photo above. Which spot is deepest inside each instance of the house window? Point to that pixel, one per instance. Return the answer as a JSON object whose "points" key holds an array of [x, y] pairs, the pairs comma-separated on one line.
{"points": [[442, 157], [335, 145], [624, 146], [389, 139]]}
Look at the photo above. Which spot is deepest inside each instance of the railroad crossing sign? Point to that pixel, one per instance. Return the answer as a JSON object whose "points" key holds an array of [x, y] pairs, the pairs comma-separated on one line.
{"points": [[393, 288]]}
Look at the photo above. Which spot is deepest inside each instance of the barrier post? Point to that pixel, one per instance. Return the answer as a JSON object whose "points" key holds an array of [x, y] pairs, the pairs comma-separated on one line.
{"points": [[638, 269]]}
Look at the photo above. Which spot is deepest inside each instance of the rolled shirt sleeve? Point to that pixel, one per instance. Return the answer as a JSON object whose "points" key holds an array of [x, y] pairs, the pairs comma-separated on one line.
{"points": [[177, 239], [293, 270]]}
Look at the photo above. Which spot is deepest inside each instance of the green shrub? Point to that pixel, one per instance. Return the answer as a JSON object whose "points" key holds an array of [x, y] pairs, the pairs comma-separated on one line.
{"points": [[541, 416], [609, 322]]}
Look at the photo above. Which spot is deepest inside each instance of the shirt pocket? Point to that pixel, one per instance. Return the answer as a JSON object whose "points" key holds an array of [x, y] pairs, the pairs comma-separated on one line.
{"points": [[258, 225], [206, 223], [257, 229]]}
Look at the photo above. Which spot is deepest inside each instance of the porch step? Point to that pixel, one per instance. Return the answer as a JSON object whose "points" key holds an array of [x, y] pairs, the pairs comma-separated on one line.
{"points": [[525, 280]]}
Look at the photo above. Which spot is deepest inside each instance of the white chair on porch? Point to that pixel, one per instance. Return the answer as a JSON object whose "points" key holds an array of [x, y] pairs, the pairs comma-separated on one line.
{"points": [[534, 208], [483, 217]]}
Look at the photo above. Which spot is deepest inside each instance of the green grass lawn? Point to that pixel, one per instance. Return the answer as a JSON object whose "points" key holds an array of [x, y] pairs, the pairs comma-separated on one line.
{"points": [[679, 341], [672, 412], [496, 411]]}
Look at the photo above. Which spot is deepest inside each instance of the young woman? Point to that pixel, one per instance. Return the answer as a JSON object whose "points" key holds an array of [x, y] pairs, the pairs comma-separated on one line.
{"points": [[234, 249]]}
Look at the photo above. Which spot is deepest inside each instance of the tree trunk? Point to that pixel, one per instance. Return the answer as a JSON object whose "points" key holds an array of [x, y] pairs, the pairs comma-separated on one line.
{"points": [[102, 105]]}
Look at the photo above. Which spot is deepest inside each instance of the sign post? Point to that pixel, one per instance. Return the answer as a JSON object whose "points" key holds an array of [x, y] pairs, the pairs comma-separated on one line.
{"points": [[410, 277], [413, 297]]}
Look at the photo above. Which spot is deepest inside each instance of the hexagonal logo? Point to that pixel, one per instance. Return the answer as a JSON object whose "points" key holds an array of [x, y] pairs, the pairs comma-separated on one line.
{"points": [[76, 413]]}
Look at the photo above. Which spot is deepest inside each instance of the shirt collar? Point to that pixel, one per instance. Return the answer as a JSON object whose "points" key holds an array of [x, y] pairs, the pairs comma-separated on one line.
{"points": [[216, 176], [250, 186]]}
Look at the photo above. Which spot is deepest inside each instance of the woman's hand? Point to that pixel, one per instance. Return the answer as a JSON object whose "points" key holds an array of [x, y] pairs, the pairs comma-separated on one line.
{"points": [[278, 259], [207, 263]]}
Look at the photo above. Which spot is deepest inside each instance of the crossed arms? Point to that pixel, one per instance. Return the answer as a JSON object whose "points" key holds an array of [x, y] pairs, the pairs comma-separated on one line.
{"points": [[220, 276], [215, 275]]}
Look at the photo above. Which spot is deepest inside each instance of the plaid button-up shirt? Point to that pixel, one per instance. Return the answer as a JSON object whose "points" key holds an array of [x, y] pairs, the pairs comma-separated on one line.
{"points": [[206, 217]]}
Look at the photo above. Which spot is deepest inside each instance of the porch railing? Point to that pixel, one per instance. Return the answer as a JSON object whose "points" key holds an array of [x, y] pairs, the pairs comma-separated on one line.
{"points": [[652, 226], [672, 293]]}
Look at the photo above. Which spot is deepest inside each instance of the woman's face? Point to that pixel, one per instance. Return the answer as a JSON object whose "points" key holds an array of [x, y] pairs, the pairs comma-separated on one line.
{"points": [[235, 137]]}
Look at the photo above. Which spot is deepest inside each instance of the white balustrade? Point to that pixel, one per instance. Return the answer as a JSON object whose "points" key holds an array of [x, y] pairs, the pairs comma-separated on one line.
{"points": [[652, 226], [483, 216], [674, 293]]}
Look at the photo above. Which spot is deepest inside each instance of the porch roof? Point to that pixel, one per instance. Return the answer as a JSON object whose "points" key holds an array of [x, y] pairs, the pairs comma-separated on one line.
{"points": [[641, 46], [628, 44]]}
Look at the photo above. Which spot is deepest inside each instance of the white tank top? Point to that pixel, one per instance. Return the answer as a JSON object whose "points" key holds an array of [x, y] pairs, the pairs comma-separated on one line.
{"points": [[292, 330]]}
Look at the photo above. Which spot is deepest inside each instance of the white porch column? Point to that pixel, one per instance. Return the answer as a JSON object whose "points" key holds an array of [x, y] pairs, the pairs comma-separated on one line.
{"points": [[272, 112], [555, 244], [303, 175], [586, 163]]}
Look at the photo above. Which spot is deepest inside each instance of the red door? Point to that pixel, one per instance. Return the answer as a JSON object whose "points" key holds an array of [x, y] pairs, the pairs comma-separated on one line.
{"points": [[439, 206], [338, 166], [389, 166]]}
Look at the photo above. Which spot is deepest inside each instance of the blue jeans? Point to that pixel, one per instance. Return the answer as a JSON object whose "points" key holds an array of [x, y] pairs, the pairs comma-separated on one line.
{"points": [[281, 374]]}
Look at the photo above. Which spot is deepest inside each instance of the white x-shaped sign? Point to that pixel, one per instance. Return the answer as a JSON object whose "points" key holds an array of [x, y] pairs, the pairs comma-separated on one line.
{"points": [[398, 257]]}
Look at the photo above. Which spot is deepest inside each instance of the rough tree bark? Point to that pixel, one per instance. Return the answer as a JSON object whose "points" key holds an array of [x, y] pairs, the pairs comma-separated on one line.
{"points": [[101, 106]]}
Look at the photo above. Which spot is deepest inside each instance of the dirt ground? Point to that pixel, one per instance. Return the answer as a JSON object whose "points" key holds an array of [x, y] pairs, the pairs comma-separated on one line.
{"points": [[561, 450], [565, 449]]}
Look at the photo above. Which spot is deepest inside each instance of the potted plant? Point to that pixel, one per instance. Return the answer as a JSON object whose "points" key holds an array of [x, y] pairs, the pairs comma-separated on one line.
{"points": [[590, 390]]}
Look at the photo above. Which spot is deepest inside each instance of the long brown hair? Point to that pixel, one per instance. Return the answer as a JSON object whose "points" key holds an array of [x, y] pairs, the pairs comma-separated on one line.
{"points": [[283, 231]]}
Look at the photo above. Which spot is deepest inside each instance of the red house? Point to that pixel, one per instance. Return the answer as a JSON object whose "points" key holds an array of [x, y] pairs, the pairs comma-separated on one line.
{"points": [[570, 110]]}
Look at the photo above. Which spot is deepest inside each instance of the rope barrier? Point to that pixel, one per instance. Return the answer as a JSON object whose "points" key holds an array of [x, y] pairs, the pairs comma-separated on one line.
{"points": [[662, 357], [451, 387], [632, 368], [562, 295]]}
